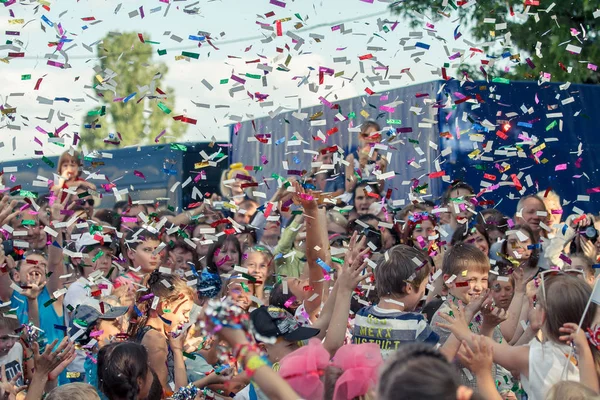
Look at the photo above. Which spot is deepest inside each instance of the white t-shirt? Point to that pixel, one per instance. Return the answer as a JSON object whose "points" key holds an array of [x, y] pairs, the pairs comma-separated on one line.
{"points": [[13, 362], [546, 364]]}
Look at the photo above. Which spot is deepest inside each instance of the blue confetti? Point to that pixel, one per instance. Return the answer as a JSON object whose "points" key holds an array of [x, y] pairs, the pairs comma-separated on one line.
{"points": [[422, 45], [46, 20], [131, 96], [197, 38], [323, 265]]}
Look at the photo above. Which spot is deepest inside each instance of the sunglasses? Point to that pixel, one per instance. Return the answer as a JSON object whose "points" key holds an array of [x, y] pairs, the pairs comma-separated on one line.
{"points": [[90, 202], [553, 272]]}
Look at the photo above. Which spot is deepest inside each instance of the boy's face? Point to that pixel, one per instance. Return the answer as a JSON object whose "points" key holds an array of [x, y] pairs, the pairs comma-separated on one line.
{"points": [[502, 293], [110, 328], [280, 349], [33, 269], [468, 285], [99, 258], [463, 195], [143, 256], [7, 341]]}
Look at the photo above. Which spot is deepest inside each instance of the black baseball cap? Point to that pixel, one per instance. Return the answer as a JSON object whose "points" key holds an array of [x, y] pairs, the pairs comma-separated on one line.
{"points": [[272, 322], [85, 316]]}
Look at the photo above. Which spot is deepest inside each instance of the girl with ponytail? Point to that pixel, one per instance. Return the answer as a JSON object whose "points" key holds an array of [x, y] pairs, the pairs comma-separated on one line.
{"points": [[162, 313], [123, 371]]}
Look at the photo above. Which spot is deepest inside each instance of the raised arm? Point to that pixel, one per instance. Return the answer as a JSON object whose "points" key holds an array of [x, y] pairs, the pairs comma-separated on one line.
{"points": [[509, 327]]}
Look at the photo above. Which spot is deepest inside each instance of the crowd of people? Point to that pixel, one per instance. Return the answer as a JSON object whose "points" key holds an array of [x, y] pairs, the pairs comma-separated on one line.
{"points": [[325, 291]]}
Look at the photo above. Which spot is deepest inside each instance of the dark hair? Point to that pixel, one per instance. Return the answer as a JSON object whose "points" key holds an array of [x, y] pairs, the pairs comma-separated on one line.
{"points": [[535, 252], [135, 237], [374, 188], [493, 219], [461, 233], [418, 372], [108, 216], [369, 124], [279, 299], [120, 365], [222, 240], [67, 156], [462, 257], [120, 204], [156, 390], [588, 263], [399, 269], [373, 234], [456, 186]]}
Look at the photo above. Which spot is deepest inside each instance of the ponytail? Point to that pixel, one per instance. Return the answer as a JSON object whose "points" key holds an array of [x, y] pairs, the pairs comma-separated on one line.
{"points": [[120, 365]]}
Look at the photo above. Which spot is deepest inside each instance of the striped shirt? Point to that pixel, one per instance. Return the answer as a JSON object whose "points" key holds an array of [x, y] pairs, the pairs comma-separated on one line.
{"points": [[391, 328]]}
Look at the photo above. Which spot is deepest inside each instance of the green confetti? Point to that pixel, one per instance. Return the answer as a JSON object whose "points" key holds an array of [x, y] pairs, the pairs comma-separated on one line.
{"points": [[299, 17], [46, 304], [27, 193], [97, 256], [414, 141], [253, 76], [48, 161], [552, 125], [26, 222], [188, 355], [190, 55], [250, 278], [501, 80], [162, 52], [394, 121], [223, 81], [82, 195], [151, 42], [110, 271], [245, 287], [25, 77], [177, 146], [337, 260], [352, 115], [452, 5], [165, 109]]}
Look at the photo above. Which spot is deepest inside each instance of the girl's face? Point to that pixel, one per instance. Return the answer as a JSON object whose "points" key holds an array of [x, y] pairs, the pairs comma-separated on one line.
{"points": [[179, 313], [110, 329], [144, 256], [368, 136], [423, 229], [580, 264], [362, 202], [227, 258], [100, 258], [296, 287], [518, 249], [477, 239], [239, 295], [182, 257], [69, 169], [258, 266], [495, 235], [201, 249], [502, 293]]}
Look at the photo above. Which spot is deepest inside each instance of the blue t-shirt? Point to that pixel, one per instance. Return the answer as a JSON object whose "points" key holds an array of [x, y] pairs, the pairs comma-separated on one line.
{"points": [[391, 328], [48, 319]]}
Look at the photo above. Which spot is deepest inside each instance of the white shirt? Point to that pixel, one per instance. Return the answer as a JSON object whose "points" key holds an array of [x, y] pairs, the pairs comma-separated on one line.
{"points": [[13, 362], [546, 364]]}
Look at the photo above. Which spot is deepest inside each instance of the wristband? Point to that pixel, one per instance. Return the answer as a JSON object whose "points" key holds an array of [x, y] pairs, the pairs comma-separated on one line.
{"points": [[255, 362]]}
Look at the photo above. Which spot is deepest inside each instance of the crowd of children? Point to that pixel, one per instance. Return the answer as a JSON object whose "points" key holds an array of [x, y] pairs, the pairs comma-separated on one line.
{"points": [[326, 291]]}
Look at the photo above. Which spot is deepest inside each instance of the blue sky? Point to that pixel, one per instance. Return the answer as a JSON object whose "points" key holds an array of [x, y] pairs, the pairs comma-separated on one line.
{"points": [[238, 21]]}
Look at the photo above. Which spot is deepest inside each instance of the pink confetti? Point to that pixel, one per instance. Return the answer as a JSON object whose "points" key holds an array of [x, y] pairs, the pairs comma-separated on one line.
{"points": [[560, 167], [159, 136], [290, 301], [537, 101], [55, 64], [593, 67], [278, 3], [139, 174]]}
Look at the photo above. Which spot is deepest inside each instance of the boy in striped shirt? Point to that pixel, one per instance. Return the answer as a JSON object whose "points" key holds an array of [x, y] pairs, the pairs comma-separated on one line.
{"points": [[401, 278]]}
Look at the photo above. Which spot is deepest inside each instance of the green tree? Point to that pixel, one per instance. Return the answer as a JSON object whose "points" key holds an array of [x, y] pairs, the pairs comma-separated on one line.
{"points": [[553, 30], [126, 68]]}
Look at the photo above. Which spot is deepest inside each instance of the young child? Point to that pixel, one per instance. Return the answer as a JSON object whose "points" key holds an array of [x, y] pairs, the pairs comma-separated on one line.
{"points": [[457, 199], [224, 254], [401, 279], [145, 256], [465, 273], [259, 262], [69, 171], [560, 300], [502, 288], [583, 263], [11, 350]]}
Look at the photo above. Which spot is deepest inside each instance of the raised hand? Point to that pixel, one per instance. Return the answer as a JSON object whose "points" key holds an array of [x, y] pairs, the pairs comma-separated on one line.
{"points": [[476, 304], [9, 389], [478, 357], [573, 335], [34, 286], [6, 210], [52, 363], [456, 321], [307, 200], [355, 249], [492, 316]]}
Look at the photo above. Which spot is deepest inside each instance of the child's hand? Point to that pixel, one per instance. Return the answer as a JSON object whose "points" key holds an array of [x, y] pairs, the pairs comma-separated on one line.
{"points": [[456, 322], [52, 363], [475, 304], [492, 316], [573, 335], [34, 287], [520, 280], [354, 249], [350, 276], [9, 389], [307, 200], [478, 357]]}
